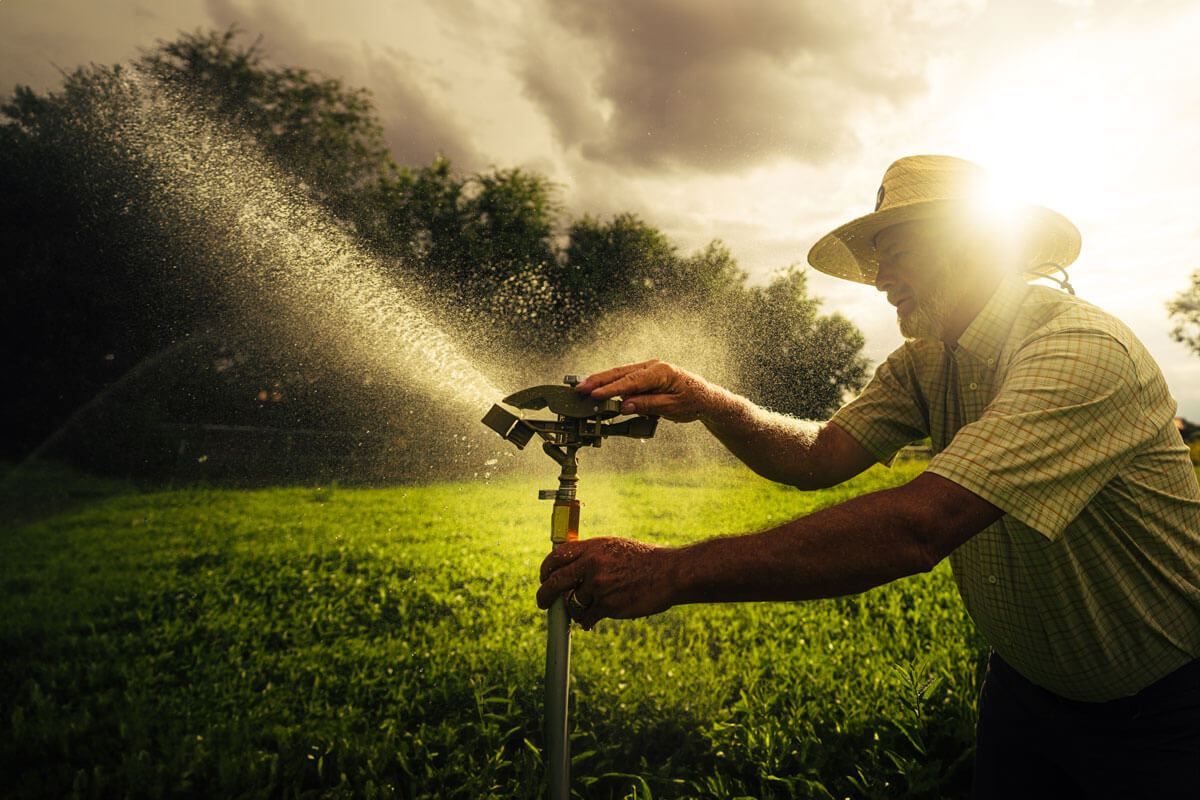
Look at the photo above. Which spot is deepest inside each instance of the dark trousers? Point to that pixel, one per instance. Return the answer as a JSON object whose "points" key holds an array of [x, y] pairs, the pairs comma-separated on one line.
{"points": [[1032, 743]]}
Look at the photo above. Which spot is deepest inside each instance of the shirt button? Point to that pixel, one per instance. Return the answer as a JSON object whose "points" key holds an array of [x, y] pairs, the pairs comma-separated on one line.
{"points": [[973, 385], [991, 362], [992, 579]]}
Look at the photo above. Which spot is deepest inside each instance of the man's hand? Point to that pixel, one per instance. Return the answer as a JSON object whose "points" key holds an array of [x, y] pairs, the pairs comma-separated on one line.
{"points": [[617, 578], [654, 387]]}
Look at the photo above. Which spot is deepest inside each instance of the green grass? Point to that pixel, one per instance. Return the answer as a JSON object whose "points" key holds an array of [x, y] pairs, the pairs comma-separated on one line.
{"points": [[356, 642]]}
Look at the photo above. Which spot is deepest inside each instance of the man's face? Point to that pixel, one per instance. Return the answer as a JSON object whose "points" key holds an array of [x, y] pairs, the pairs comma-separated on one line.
{"points": [[916, 271]]}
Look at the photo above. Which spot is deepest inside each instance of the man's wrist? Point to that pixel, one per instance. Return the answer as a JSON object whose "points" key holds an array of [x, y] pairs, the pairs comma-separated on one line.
{"points": [[682, 570], [672, 570], [721, 408]]}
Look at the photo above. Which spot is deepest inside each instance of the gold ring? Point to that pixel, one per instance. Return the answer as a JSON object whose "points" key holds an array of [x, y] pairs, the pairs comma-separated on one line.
{"points": [[574, 603]]}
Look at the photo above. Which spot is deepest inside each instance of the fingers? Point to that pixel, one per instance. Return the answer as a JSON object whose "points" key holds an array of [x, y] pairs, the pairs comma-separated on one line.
{"points": [[618, 380], [557, 573], [651, 387], [562, 576], [581, 610], [559, 557], [586, 614], [659, 405]]}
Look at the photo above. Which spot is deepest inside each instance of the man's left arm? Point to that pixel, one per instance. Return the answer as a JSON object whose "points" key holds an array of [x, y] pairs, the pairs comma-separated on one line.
{"points": [[864, 542]]}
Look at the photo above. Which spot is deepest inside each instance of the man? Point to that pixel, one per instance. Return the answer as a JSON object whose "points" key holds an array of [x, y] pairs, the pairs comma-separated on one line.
{"points": [[1059, 489]]}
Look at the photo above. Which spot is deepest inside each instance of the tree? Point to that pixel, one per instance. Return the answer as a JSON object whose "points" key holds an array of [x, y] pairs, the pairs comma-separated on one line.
{"points": [[82, 279], [102, 270], [712, 275], [623, 264], [795, 361], [1185, 309], [314, 127], [483, 245]]}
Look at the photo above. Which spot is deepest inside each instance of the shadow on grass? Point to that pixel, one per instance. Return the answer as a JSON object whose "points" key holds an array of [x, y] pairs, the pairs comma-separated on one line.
{"points": [[37, 490]]}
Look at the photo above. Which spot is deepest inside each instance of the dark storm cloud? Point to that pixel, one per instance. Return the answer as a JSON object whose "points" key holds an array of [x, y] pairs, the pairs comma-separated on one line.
{"points": [[555, 83], [416, 125], [719, 86]]}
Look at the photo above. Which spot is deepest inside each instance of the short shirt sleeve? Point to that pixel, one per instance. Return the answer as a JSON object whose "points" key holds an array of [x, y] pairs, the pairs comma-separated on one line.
{"points": [[1064, 421], [889, 413]]}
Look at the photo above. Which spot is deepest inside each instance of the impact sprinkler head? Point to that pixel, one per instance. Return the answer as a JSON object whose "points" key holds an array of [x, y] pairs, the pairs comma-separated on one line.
{"points": [[579, 420]]}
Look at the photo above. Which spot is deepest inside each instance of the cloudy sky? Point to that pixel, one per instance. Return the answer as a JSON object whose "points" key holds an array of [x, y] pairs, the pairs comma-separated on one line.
{"points": [[763, 123]]}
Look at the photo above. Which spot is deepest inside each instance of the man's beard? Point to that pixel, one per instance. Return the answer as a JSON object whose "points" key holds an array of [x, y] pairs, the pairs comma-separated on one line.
{"points": [[927, 320]]}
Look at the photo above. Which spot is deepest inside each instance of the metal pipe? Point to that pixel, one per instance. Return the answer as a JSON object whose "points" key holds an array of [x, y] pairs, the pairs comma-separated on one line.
{"points": [[558, 670], [564, 527]]}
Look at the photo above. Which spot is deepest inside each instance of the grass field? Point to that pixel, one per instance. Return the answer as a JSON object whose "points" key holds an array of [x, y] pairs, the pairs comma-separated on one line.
{"points": [[366, 642]]}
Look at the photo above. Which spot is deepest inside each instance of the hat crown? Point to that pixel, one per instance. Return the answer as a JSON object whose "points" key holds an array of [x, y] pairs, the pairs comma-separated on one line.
{"points": [[924, 187], [919, 179]]}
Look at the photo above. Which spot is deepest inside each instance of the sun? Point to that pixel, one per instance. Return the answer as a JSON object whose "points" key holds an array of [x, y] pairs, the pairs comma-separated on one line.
{"points": [[1056, 128]]}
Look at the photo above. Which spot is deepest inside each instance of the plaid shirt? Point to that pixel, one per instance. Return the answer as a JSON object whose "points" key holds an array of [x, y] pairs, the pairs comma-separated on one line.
{"points": [[1052, 410]]}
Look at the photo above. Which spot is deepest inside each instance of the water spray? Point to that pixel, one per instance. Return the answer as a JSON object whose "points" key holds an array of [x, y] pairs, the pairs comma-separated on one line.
{"points": [[579, 422]]}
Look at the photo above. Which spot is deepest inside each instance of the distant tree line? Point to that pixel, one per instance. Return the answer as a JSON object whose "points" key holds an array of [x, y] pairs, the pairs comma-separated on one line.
{"points": [[101, 277]]}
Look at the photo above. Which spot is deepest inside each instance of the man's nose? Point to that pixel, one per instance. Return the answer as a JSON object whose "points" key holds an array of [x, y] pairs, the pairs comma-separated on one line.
{"points": [[884, 278]]}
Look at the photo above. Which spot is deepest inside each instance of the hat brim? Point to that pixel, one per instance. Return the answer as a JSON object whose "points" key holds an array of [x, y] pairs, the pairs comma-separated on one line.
{"points": [[849, 251]]}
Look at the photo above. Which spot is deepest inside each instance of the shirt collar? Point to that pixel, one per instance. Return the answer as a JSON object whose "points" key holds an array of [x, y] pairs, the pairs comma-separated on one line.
{"points": [[986, 334]]}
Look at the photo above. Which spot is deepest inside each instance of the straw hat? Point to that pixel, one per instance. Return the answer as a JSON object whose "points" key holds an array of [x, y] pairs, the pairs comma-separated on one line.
{"points": [[918, 187]]}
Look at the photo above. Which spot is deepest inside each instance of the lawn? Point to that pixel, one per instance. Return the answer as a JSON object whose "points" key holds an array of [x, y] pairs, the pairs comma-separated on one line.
{"points": [[383, 642]]}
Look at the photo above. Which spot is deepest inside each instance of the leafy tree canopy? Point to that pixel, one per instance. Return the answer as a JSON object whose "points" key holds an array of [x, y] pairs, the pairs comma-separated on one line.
{"points": [[316, 128]]}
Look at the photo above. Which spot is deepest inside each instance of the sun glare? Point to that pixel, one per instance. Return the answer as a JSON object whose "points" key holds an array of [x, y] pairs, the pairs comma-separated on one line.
{"points": [[1053, 129]]}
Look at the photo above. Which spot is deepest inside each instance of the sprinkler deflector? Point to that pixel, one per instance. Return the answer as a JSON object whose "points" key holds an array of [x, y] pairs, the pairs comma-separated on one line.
{"points": [[579, 422]]}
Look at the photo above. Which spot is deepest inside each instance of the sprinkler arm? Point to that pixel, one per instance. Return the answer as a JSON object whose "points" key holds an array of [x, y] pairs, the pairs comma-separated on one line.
{"points": [[564, 401]]}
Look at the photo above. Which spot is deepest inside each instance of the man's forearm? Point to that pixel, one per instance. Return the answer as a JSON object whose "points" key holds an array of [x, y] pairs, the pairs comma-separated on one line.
{"points": [[776, 446], [843, 549], [840, 550], [806, 454]]}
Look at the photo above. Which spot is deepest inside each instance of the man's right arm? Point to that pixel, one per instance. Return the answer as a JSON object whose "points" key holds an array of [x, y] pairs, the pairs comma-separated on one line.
{"points": [[806, 454]]}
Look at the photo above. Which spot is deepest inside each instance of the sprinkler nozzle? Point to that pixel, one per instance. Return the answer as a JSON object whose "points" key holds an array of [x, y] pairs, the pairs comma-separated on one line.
{"points": [[509, 426]]}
